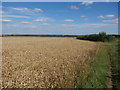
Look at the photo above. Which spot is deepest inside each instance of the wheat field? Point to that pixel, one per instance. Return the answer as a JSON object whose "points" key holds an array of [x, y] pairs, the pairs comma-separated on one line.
{"points": [[45, 62]]}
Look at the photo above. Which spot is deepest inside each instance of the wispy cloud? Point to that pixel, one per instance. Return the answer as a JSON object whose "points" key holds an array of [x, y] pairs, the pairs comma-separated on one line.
{"points": [[5, 20], [43, 19], [87, 3], [74, 7], [82, 16], [101, 17], [38, 10], [111, 21], [25, 22], [39, 20], [68, 29], [110, 16], [27, 10], [20, 9], [69, 20], [106, 16], [16, 16]]}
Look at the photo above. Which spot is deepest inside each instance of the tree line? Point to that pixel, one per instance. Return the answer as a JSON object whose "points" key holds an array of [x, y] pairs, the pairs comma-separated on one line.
{"points": [[102, 36]]}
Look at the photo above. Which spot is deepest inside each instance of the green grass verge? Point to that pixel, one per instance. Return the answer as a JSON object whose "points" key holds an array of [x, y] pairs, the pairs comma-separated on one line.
{"points": [[114, 51], [98, 72]]}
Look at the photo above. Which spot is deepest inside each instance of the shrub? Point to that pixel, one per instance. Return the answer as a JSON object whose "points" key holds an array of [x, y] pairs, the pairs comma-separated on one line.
{"points": [[97, 37]]}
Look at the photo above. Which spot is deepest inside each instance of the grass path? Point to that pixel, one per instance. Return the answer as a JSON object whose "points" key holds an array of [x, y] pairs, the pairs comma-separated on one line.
{"points": [[97, 74], [104, 71]]}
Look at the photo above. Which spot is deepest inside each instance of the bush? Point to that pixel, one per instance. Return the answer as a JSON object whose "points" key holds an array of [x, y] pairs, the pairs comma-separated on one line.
{"points": [[97, 37]]}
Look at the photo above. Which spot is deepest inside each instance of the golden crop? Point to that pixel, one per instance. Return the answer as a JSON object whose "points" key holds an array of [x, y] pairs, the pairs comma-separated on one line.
{"points": [[44, 62]]}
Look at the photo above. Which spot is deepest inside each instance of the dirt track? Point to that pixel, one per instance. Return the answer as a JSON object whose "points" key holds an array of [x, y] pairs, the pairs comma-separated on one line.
{"points": [[44, 62]]}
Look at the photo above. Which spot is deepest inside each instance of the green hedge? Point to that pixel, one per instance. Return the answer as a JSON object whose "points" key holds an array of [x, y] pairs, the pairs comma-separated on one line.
{"points": [[97, 37]]}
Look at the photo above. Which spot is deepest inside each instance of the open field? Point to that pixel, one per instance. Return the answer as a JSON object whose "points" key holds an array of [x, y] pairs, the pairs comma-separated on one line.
{"points": [[45, 62]]}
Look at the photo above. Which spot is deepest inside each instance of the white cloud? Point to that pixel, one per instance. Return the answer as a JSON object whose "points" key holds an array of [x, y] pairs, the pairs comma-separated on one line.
{"points": [[87, 3], [74, 7], [110, 16], [5, 20], [27, 10], [20, 9], [43, 19], [101, 17], [25, 22], [82, 16], [39, 20], [69, 20], [111, 21], [107, 16], [16, 16], [38, 10]]}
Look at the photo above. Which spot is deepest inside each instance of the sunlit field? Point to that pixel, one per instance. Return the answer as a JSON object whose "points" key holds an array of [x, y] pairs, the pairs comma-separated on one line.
{"points": [[45, 62]]}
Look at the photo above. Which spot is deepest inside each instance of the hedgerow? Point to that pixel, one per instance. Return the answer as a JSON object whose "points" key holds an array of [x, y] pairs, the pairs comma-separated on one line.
{"points": [[102, 36]]}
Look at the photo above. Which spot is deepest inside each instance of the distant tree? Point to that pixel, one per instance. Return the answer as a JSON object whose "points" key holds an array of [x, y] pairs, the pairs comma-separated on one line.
{"points": [[102, 36]]}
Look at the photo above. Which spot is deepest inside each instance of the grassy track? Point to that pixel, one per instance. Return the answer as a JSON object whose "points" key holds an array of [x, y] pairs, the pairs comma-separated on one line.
{"points": [[97, 77], [115, 60]]}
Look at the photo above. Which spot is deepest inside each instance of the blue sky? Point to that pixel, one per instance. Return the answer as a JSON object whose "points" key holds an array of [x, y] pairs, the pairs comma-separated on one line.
{"points": [[71, 18]]}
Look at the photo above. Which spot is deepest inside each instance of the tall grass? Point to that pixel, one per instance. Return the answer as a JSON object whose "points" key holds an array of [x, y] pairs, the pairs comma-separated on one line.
{"points": [[107, 56], [98, 72], [114, 51]]}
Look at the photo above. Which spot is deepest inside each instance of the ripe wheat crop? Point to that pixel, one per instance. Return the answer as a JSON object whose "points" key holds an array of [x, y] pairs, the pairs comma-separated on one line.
{"points": [[44, 62]]}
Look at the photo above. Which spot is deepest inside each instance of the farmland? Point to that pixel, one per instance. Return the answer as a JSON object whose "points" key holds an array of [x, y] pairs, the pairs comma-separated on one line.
{"points": [[45, 62]]}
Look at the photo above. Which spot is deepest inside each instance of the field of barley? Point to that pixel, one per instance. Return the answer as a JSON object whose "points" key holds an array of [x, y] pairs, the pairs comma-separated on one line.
{"points": [[45, 62]]}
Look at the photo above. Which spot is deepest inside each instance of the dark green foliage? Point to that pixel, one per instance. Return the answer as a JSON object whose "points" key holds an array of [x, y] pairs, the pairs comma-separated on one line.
{"points": [[97, 37], [41, 35], [115, 60], [116, 36]]}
